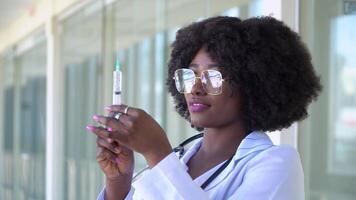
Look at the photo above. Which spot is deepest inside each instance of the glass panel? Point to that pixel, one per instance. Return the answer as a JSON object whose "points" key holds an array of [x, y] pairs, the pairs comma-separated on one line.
{"points": [[328, 137], [24, 122], [32, 67], [81, 43], [343, 80], [7, 151]]}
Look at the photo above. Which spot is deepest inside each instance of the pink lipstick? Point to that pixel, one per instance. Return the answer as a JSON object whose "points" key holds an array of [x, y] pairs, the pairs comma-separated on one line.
{"points": [[198, 107]]}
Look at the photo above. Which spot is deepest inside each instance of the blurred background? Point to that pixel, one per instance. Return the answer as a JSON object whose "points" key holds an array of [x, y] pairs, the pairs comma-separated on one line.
{"points": [[56, 63]]}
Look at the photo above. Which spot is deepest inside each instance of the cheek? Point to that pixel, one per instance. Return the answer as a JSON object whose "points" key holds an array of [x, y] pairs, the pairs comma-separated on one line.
{"points": [[229, 108], [226, 109], [230, 105]]}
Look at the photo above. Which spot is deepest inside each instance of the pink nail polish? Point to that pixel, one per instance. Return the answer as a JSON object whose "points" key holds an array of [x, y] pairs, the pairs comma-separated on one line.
{"points": [[110, 129], [108, 108], [90, 128], [96, 117]]}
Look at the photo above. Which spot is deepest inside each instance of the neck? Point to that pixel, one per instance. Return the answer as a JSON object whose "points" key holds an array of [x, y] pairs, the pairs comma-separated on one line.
{"points": [[222, 142]]}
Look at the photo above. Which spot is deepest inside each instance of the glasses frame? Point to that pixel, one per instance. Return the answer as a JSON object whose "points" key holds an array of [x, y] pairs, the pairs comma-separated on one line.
{"points": [[200, 78]]}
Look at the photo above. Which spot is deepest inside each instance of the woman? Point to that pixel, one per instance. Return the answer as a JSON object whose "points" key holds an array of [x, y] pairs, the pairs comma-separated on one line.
{"points": [[233, 80]]}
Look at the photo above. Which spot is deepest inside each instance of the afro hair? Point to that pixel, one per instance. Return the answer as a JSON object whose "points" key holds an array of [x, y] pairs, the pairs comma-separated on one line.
{"points": [[262, 58]]}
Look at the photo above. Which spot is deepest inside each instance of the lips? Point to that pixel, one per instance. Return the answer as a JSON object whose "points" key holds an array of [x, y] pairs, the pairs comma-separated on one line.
{"points": [[198, 106]]}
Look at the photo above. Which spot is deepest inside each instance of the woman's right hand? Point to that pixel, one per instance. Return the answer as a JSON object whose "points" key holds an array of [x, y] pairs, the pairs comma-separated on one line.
{"points": [[114, 160], [117, 163]]}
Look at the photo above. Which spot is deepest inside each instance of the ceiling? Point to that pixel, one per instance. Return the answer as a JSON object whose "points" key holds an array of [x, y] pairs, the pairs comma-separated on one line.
{"points": [[10, 10]]}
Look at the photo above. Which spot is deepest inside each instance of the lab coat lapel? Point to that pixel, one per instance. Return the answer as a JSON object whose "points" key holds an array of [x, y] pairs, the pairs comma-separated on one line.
{"points": [[190, 152], [255, 141]]}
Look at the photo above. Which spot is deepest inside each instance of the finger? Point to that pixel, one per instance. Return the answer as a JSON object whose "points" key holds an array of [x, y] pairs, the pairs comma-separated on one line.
{"points": [[104, 154], [126, 122], [112, 114], [122, 125], [106, 121], [110, 140], [122, 139], [99, 131], [113, 147], [121, 109], [125, 151]]}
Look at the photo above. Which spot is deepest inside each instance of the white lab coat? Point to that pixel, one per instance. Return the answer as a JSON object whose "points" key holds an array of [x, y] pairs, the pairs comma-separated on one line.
{"points": [[259, 170]]}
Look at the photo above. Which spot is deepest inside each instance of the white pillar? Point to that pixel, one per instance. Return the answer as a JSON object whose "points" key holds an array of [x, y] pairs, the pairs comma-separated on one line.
{"points": [[2, 116], [54, 131]]}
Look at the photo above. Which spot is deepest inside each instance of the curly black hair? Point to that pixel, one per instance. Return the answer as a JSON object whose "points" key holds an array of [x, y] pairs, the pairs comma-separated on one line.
{"points": [[262, 58]]}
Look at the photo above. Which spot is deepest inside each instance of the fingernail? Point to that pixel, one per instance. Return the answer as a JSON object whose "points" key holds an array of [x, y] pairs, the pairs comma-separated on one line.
{"points": [[90, 128], [108, 108], [96, 117], [117, 160], [110, 129]]}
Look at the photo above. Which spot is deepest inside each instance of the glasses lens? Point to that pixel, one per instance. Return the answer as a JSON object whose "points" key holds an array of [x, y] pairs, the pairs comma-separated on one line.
{"points": [[185, 80], [212, 81]]}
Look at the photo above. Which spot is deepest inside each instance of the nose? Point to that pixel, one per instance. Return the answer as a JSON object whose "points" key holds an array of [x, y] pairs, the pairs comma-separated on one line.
{"points": [[198, 88]]}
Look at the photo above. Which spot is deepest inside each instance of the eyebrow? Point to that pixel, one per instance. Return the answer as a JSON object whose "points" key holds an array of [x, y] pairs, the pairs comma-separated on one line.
{"points": [[209, 65]]}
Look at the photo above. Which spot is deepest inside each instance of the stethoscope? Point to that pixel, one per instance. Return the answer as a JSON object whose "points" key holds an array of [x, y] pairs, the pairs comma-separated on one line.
{"points": [[180, 150]]}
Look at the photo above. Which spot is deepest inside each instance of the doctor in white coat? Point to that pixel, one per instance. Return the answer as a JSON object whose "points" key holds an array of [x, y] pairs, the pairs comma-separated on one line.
{"points": [[232, 80]]}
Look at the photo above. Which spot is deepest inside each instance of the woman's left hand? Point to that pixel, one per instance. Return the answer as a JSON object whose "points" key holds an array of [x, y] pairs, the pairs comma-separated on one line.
{"points": [[136, 130]]}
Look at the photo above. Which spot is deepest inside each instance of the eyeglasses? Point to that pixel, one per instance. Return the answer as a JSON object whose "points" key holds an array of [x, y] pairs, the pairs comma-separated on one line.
{"points": [[211, 80]]}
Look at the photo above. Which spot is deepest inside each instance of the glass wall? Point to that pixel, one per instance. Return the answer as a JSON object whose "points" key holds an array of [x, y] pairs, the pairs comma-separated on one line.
{"points": [[139, 33], [328, 138], [7, 132], [90, 37], [24, 119], [80, 59]]}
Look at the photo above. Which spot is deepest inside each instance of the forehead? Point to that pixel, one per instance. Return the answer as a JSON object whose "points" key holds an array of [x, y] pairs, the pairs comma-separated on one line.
{"points": [[202, 57], [202, 61]]}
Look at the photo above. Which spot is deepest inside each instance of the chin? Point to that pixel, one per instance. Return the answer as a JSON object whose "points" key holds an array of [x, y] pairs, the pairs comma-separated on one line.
{"points": [[202, 123]]}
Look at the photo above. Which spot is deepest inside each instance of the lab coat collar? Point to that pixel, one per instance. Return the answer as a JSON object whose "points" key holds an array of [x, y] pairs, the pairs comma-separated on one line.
{"points": [[255, 141], [191, 151]]}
